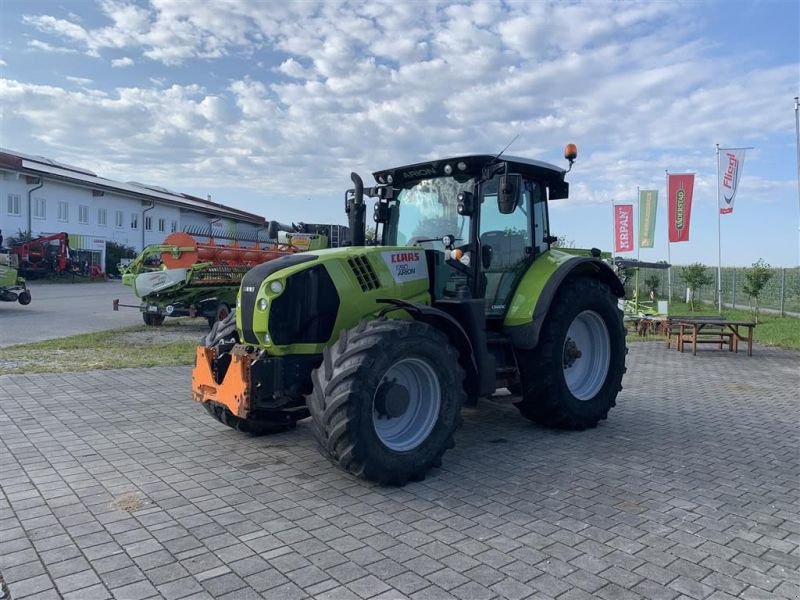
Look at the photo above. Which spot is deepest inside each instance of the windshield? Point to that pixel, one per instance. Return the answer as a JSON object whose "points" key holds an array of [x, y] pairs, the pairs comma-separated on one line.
{"points": [[428, 210]]}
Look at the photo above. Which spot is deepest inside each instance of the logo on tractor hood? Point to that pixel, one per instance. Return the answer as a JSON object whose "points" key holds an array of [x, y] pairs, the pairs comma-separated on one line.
{"points": [[406, 266]]}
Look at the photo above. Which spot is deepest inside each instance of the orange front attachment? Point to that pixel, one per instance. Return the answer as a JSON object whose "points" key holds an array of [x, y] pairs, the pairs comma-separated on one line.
{"points": [[186, 252], [234, 391]]}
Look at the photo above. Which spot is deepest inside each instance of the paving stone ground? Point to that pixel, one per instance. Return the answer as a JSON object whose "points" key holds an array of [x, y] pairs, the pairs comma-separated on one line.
{"points": [[690, 490]]}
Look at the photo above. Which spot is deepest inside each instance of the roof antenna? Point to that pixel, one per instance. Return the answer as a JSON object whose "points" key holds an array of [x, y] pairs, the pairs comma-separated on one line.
{"points": [[516, 137]]}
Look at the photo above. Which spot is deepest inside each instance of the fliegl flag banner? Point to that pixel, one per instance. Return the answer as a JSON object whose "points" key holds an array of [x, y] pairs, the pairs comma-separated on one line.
{"points": [[731, 163], [679, 199], [648, 202], [623, 227]]}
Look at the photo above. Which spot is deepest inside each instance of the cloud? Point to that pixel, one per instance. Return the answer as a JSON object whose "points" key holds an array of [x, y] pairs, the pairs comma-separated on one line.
{"points": [[122, 62], [3, 63], [79, 80], [45, 47], [362, 86]]}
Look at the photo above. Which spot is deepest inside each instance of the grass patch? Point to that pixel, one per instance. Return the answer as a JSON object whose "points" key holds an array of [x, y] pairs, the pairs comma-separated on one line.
{"points": [[772, 330], [130, 347]]}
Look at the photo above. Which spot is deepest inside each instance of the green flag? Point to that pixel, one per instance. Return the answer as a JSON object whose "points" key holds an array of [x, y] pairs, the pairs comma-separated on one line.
{"points": [[648, 201]]}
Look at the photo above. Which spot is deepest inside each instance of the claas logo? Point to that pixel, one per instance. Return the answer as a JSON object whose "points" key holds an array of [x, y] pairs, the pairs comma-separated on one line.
{"points": [[402, 257]]}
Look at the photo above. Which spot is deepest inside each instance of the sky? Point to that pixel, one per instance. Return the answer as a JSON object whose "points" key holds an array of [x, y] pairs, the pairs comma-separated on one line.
{"points": [[269, 106]]}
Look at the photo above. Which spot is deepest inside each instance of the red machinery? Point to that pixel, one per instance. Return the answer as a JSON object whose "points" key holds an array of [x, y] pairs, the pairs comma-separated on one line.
{"points": [[40, 256]]}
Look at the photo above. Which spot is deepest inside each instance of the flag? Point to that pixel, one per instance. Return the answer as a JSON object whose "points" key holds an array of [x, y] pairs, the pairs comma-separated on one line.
{"points": [[731, 163], [648, 201], [679, 199], [623, 227]]}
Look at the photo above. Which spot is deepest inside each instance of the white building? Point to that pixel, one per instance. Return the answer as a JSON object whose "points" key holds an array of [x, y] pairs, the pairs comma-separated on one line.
{"points": [[45, 197]]}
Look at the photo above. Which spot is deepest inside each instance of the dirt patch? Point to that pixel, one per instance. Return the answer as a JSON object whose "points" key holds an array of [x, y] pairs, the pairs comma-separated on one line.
{"points": [[130, 502]]}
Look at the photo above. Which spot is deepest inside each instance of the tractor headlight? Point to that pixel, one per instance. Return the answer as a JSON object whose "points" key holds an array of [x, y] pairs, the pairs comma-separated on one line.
{"points": [[262, 304], [276, 287]]}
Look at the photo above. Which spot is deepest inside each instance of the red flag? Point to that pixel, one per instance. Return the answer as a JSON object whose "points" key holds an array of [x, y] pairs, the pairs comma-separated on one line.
{"points": [[623, 227], [679, 198]]}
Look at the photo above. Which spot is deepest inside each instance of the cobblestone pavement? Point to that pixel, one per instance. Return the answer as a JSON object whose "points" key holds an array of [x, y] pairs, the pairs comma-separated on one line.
{"points": [[115, 484]]}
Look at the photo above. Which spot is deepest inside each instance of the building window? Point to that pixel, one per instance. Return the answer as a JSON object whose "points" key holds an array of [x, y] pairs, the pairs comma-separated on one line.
{"points": [[148, 223], [119, 219], [162, 225], [40, 208], [83, 214], [101, 216], [63, 211], [134, 221], [14, 205], [173, 226]]}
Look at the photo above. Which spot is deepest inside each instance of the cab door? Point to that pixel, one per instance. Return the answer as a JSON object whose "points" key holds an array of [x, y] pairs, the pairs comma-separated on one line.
{"points": [[507, 245]]}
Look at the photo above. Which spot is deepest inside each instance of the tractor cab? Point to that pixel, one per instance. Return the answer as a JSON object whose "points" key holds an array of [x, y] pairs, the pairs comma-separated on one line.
{"points": [[481, 221]]}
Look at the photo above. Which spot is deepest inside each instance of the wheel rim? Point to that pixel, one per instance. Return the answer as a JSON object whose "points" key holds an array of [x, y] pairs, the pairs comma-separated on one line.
{"points": [[406, 404], [586, 355]]}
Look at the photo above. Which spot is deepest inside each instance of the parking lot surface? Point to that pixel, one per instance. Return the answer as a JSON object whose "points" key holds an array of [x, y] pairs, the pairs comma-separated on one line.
{"points": [[62, 309], [114, 484]]}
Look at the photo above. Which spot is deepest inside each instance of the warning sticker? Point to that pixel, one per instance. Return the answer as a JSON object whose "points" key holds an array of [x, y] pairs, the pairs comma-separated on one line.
{"points": [[406, 266]]}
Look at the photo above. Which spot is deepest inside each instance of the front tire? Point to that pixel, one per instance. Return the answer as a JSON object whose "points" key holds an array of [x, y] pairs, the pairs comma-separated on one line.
{"points": [[387, 400], [152, 320], [24, 298], [572, 378]]}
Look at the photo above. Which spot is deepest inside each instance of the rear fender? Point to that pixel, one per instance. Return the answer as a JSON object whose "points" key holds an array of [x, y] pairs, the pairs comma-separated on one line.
{"points": [[539, 286]]}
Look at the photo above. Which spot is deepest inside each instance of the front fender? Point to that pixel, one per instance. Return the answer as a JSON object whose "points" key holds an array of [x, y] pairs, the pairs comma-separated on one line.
{"points": [[538, 287]]}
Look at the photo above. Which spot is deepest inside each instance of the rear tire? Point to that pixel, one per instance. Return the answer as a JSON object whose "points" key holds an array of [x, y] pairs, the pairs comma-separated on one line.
{"points": [[572, 378], [152, 320], [387, 400]]}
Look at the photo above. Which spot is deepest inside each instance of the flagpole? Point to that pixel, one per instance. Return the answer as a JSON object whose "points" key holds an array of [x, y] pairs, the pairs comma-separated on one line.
{"points": [[638, 247], [719, 243], [797, 132], [669, 245], [613, 232]]}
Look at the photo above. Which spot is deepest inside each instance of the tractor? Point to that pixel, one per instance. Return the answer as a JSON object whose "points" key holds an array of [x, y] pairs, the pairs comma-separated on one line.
{"points": [[12, 287], [460, 293]]}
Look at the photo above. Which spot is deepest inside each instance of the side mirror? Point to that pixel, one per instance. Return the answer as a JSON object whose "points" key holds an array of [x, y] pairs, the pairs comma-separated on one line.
{"points": [[380, 214], [465, 205], [559, 190], [509, 191]]}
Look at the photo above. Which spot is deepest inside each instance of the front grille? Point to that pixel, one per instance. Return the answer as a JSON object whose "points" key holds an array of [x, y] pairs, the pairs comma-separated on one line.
{"points": [[306, 311], [365, 274]]}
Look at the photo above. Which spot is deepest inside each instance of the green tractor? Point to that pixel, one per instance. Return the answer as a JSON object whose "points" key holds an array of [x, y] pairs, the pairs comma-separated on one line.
{"points": [[12, 287], [460, 294]]}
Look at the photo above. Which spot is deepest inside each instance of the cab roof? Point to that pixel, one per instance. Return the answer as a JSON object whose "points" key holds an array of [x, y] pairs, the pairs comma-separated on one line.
{"points": [[473, 166]]}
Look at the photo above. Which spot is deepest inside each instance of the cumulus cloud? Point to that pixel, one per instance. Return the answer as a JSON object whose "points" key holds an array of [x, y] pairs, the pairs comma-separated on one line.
{"points": [[365, 86], [122, 62], [3, 63]]}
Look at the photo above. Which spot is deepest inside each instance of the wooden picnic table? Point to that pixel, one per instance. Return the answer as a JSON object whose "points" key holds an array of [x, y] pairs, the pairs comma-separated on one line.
{"points": [[722, 329]]}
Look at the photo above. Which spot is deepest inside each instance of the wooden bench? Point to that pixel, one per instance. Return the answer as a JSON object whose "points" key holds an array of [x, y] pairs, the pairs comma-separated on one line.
{"points": [[704, 331], [673, 328]]}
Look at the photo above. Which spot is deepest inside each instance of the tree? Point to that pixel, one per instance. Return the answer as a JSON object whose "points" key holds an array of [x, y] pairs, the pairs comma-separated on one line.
{"points": [[20, 238], [115, 252], [696, 276], [755, 278], [563, 242]]}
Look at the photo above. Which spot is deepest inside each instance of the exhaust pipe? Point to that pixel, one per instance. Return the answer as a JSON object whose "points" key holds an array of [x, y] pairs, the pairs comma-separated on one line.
{"points": [[355, 212]]}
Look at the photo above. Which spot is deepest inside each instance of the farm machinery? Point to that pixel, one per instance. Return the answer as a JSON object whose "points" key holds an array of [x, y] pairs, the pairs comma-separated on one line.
{"points": [[12, 286], [183, 277], [382, 345]]}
